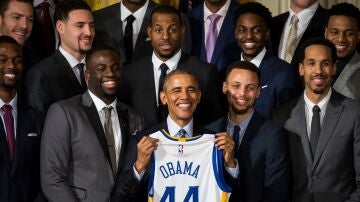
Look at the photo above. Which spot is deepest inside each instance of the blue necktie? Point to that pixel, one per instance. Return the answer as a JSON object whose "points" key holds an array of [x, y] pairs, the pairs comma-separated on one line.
{"points": [[182, 133], [236, 136]]}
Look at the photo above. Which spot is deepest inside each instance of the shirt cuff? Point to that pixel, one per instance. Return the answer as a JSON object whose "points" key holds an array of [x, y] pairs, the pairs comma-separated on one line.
{"points": [[138, 175], [234, 172]]}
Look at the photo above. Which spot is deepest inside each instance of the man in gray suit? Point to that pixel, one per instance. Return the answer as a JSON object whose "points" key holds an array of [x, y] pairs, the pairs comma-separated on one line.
{"points": [[323, 131], [343, 30], [85, 137]]}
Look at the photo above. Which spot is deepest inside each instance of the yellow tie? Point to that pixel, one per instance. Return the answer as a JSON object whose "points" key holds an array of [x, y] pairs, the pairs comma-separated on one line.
{"points": [[292, 39]]}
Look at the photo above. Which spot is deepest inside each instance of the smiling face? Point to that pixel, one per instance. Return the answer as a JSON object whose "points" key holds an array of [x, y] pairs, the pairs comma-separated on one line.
{"points": [[344, 33], [181, 95], [11, 65], [165, 33], [241, 88], [317, 68], [17, 21], [103, 73], [251, 33]]}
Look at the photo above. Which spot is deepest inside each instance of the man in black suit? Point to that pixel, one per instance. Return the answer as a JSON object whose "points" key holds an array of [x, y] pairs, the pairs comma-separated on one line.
{"points": [[20, 131], [181, 94], [323, 130], [260, 148], [142, 78], [311, 23], [61, 75]]}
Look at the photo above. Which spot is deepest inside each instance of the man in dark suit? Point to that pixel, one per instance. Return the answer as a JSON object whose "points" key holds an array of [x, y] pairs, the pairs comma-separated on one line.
{"points": [[279, 81], [20, 131], [142, 78], [323, 130], [311, 23], [260, 148], [225, 50], [181, 94], [83, 145], [61, 75]]}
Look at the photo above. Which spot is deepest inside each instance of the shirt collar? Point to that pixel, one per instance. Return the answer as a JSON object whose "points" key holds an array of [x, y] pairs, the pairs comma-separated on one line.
{"points": [[139, 14], [322, 104], [38, 2], [174, 127], [171, 63], [305, 15], [257, 60], [99, 104], [12, 102], [243, 124], [71, 59], [223, 10]]}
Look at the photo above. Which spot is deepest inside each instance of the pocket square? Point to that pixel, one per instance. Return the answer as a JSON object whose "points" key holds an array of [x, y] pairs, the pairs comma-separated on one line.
{"points": [[32, 135], [264, 86], [134, 133], [148, 39]]}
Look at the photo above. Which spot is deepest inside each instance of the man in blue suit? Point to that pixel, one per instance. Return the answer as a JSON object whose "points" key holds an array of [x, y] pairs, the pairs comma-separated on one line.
{"points": [[260, 148], [279, 80], [225, 50], [20, 130]]}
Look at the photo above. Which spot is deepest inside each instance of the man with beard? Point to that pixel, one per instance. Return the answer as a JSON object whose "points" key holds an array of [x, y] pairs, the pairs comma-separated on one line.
{"points": [[85, 137], [20, 131], [279, 80], [143, 79], [343, 30], [323, 129], [260, 148], [61, 75]]}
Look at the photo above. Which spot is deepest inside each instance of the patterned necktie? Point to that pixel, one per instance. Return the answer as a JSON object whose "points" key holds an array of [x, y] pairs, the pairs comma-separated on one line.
{"points": [[315, 128], [211, 36], [47, 28], [128, 38], [181, 133], [80, 68], [236, 137], [10, 132], [109, 134], [292, 39]]}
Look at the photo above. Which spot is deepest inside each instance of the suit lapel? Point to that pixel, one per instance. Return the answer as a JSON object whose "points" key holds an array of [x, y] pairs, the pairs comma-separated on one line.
{"points": [[4, 147], [123, 116], [183, 60], [332, 115], [266, 72]]}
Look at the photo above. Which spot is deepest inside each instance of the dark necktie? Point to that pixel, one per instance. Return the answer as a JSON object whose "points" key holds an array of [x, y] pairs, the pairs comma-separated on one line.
{"points": [[80, 67], [236, 136], [181, 133], [109, 134], [315, 128], [162, 110], [128, 38], [10, 132], [47, 28]]}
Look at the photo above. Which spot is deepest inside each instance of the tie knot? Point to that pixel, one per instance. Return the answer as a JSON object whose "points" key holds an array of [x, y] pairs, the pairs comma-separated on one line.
{"points": [[294, 20], [182, 133], [130, 19], [80, 66], [214, 17], [107, 111], [6, 108], [316, 109], [163, 68], [44, 5], [236, 129]]}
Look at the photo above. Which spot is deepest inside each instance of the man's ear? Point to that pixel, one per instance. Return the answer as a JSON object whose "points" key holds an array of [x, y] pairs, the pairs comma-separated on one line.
{"points": [[225, 87], [163, 98]]}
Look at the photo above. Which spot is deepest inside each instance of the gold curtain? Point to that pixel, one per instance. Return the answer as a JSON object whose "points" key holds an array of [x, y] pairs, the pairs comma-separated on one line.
{"points": [[98, 4]]}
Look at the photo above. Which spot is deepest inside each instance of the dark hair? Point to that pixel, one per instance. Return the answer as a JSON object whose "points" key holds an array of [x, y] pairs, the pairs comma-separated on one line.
{"points": [[255, 8], [345, 9], [93, 50], [166, 10], [4, 4], [63, 8], [317, 41], [9, 39], [243, 65], [178, 72]]}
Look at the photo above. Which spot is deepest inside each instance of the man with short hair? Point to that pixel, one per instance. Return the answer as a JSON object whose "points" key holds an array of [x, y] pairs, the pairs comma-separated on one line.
{"points": [[323, 129], [343, 30], [20, 131], [61, 75], [85, 137]]}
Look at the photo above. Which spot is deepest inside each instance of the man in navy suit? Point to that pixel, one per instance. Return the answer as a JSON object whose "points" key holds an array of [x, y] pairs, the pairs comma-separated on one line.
{"points": [[225, 50], [279, 82], [260, 148], [20, 131]]}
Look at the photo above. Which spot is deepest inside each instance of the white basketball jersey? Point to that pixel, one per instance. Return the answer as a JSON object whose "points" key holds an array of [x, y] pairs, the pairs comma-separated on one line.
{"points": [[187, 170]]}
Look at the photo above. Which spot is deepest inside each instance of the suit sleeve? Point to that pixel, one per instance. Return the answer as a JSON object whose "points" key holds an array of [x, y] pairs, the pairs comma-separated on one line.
{"points": [[290, 86], [276, 180], [34, 89], [55, 156]]}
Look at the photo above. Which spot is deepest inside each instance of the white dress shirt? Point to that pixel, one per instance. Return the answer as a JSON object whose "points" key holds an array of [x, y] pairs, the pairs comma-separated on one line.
{"points": [[259, 57], [304, 17], [99, 104], [13, 104], [309, 113], [73, 62], [172, 63], [139, 17]]}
